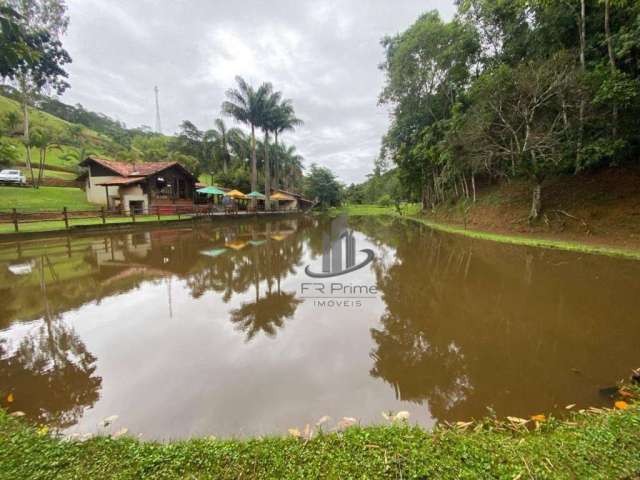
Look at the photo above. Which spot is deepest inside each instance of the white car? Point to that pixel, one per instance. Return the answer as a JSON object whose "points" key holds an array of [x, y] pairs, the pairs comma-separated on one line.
{"points": [[13, 177]]}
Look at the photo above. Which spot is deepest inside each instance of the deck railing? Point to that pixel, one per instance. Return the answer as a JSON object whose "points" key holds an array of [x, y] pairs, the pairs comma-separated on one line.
{"points": [[103, 216]]}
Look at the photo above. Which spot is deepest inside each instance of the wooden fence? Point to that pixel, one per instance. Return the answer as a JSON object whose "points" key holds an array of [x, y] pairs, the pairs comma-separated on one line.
{"points": [[103, 215]]}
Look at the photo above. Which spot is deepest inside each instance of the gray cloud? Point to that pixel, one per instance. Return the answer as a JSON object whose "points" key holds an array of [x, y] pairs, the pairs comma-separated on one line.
{"points": [[321, 54]]}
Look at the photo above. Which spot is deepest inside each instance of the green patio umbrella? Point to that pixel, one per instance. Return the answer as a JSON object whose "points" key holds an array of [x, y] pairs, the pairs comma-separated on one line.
{"points": [[256, 195], [210, 191]]}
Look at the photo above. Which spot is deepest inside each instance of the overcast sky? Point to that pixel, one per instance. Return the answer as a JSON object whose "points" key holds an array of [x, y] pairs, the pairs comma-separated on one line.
{"points": [[322, 54]]}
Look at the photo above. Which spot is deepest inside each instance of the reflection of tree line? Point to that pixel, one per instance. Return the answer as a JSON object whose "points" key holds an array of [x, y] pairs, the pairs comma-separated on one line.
{"points": [[51, 375], [470, 325]]}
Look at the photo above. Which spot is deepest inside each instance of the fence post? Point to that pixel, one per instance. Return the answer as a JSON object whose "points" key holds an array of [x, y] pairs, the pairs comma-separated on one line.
{"points": [[104, 220], [15, 219], [177, 211], [66, 217], [132, 211], [158, 212]]}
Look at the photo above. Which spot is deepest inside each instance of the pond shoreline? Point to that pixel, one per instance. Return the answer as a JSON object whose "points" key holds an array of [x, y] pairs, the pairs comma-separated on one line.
{"points": [[592, 443], [549, 241]]}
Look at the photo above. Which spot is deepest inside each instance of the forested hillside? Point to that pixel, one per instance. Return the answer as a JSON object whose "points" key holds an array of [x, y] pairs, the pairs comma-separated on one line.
{"points": [[526, 90]]}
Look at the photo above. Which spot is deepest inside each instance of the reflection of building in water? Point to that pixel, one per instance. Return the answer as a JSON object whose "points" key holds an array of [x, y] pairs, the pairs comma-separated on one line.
{"points": [[122, 248]]}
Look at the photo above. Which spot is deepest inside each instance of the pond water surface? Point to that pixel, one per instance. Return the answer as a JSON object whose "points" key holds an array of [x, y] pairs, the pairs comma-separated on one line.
{"points": [[218, 330]]}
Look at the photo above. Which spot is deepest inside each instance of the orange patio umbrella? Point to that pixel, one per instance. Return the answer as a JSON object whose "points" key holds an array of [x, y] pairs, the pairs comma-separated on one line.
{"points": [[236, 194], [281, 196]]}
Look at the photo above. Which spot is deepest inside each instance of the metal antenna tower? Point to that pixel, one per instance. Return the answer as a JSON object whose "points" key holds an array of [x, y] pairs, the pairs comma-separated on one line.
{"points": [[158, 124]]}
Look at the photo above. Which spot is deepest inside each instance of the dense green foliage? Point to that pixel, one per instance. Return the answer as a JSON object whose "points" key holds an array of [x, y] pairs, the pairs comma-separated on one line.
{"points": [[322, 186], [602, 445], [526, 88], [379, 188]]}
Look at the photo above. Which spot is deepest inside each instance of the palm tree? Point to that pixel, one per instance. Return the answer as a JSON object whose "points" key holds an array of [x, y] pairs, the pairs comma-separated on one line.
{"points": [[245, 105], [285, 119], [240, 144], [291, 166], [220, 136], [268, 124]]}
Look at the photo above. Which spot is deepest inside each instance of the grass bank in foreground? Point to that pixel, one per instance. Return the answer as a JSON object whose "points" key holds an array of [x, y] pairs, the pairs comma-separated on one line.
{"points": [[593, 444], [412, 212]]}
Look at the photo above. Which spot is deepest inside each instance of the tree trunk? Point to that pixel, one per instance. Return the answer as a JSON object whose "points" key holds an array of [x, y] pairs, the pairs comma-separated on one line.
{"points": [[43, 153], [225, 155], [267, 174], [473, 186], [612, 59], [536, 202], [27, 160], [254, 165], [276, 161], [583, 46]]}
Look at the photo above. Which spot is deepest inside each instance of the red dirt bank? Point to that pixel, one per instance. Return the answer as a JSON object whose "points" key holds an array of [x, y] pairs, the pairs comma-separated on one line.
{"points": [[599, 208]]}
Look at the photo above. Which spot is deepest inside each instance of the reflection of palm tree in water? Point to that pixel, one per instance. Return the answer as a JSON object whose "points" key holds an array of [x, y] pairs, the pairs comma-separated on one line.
{"points": [[267, 314], [51, 373]]}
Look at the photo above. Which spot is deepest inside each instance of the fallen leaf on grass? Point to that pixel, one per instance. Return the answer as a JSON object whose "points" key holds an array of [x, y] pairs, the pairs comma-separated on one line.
{"points": [[10, 398], [323, 420], [108, 421], [569, 407], [538, 418], [294, 432], [621, 405], [625, 393], [463, 425], [120, 432], [17, 414], [43, 430], [403, 415], [346, 422], [518, 420]]}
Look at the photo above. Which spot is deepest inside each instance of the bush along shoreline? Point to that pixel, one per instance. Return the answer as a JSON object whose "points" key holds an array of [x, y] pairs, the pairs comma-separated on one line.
{"points": [[590, 443]]}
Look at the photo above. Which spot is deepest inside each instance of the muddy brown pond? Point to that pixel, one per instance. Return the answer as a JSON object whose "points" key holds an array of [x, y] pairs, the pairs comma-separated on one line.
{"points": [[222, 330]]}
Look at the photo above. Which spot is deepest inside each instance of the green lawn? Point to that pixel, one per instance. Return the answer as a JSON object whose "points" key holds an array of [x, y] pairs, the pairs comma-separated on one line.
{"points": [[603, 444], [27, 199]]}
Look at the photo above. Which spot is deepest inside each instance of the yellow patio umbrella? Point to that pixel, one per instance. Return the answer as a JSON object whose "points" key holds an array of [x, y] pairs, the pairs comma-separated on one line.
{"points": [[236, 194], [281, 196]]}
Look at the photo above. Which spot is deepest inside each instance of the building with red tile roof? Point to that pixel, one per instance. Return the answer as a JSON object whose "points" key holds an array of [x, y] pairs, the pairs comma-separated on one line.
{"points": [[137, 186]]}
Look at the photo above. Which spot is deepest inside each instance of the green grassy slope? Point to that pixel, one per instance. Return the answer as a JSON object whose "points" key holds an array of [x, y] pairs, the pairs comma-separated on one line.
{"points": [[56, 154], [44, 119], [26, 199]]}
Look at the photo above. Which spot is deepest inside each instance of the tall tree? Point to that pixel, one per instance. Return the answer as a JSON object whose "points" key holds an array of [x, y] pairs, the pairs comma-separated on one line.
{"points": [[45, 21], [220, 136], [284, 119], [270, 105], [245, 104]]}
